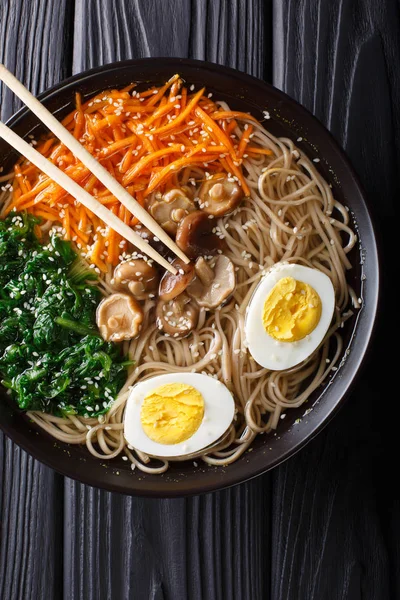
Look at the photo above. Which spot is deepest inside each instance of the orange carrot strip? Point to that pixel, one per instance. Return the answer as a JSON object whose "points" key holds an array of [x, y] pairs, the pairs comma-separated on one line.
{"points": [[110, 241], [162, 90], [118, 134], [29, 170], [119, 145], [183, 100], [162, 110], [95, 254], [82, 237], [198, 148], [177, 131], [78, 101], [57, 151], [144, 140], [231, 126], [26, 205], [106, 200], [232, 114], [149, 92], [45, 146], [126, 162], [20, 179], [69, 119], [147, 160], [108, 121], [66, 224], [244, 140], [46, 214], [91, 183], [183, 115], [82, 218], [37, 231], [216, 131], [255, 150], [79, 125], [157, 179], [41, 186]]}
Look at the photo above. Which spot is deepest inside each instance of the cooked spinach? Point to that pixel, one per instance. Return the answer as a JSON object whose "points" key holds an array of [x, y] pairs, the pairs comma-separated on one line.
{"points": [[52, 357]]}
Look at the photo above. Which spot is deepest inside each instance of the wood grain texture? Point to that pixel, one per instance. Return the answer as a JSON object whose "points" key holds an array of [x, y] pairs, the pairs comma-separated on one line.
{"points": [[234, 33], [30, 494], [336, 519], [325, 525], [206, 548], [210, 546]]}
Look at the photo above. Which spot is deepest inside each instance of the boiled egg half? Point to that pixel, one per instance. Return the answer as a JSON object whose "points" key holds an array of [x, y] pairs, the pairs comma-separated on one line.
{"points": [[288, 315], [177, 414]]}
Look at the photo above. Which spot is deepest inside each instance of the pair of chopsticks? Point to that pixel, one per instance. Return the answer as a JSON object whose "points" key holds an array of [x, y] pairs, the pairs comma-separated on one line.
{"points": [[73, 188]]}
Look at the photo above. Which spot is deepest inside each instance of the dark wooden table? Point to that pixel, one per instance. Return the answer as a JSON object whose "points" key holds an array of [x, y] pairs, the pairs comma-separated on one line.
{"points": [[324, 525]]}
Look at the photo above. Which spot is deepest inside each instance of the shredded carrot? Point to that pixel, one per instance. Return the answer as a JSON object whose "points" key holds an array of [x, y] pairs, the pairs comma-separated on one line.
{"points": [[45, 146], [185, 113], [244, 140], [95, 256], [254, 150], [168, 170], [233, 114], [147, 160], [46, 214], [161, 91], [66, 224], [82, 218], [216, 131], [149, 141], [20, 180]]}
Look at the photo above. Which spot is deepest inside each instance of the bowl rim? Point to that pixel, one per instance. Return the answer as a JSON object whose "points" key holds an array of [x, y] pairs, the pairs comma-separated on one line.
{"points": [[231, 475]]}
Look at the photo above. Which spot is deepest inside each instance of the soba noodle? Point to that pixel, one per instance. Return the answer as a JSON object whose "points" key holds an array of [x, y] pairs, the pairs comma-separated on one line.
{"points": [[291, 216]]}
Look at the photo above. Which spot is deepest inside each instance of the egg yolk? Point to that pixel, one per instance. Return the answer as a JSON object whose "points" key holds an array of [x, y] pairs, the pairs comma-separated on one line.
{"points": [[292, 310], [172, 413]]}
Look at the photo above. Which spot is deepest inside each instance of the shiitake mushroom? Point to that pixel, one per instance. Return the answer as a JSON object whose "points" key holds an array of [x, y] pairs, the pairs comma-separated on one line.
{"points": [[195, 236]]}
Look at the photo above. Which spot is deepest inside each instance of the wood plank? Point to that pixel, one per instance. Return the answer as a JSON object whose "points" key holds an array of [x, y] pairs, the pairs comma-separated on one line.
{"points": [[209, 547], [335, 513], [231, 33], [35, 47]]}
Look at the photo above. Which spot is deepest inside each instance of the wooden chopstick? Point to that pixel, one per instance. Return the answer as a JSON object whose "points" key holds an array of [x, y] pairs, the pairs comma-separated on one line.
{"points": [[89, 161], [73, 188]]}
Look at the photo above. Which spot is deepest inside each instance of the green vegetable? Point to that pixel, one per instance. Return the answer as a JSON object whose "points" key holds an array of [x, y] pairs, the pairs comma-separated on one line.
{"points": [[52, 357]]}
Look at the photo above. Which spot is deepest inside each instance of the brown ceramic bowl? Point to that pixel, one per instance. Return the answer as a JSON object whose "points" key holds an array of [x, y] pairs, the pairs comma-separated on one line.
{"points": [[288, 118]]}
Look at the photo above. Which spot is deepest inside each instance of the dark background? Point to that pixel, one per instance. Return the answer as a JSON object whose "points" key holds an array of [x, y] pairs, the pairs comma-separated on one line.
{"points": [[325, 524]]}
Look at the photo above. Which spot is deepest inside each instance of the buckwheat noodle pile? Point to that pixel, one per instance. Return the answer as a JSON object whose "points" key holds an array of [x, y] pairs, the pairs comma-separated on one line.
{"points": [[291, 216]]}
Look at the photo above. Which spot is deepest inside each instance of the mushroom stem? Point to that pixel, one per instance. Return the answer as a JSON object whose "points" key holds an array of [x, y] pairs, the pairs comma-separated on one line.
{"points": [[204, 272], [177, 306]]}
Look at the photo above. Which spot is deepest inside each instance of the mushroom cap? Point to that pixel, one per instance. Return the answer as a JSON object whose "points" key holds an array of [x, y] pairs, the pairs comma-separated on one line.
{"points": [[177, 317], [173, 285], [137, 276], [119, 317], [171, 208], [195, 236], [214, 282], [219, 196]]}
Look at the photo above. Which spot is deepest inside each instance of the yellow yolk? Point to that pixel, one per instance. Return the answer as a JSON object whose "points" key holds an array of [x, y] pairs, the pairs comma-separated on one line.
{"points": [[172, 413], [292, 310]]}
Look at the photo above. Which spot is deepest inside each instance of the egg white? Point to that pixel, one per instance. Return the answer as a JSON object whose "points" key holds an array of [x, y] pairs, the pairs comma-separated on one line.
{"points": [[219, 410], [269, 352]]}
